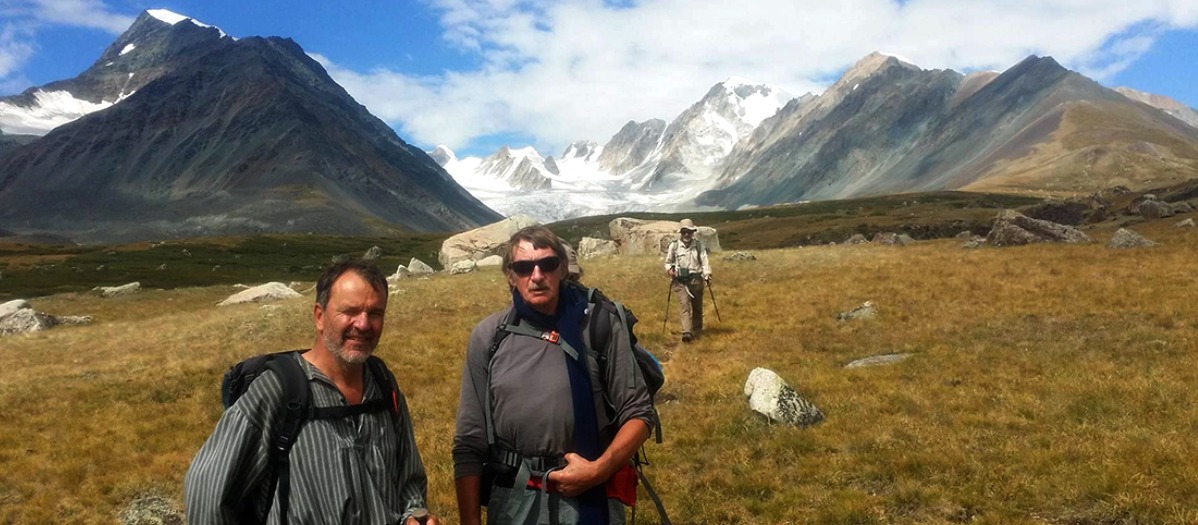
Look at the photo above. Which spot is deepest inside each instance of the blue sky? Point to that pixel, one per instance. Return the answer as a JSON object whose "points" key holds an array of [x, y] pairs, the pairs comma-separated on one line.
{"points": [[476, 74]]}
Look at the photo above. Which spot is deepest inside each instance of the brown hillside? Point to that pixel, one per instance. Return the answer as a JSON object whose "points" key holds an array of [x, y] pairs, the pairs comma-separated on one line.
{"points": [[1096, 146]]}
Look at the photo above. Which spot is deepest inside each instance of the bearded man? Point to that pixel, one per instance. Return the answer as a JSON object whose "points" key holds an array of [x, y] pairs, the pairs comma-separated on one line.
{"points": [[355, 457]]}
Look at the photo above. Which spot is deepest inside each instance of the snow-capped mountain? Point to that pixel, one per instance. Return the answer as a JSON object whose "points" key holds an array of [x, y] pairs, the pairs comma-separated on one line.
{"points": [[648, 165], [1171, 106], [226, 137], [149, 49]]}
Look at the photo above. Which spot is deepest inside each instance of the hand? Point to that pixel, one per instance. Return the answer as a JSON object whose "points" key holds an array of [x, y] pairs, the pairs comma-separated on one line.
{"points": [[671, 273], [423, 517], [707, 278], [577, 476]]}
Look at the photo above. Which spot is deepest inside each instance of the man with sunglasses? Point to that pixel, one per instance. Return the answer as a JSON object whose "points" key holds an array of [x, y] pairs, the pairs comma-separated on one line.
{"points": [[689, 269], [535, 443]]}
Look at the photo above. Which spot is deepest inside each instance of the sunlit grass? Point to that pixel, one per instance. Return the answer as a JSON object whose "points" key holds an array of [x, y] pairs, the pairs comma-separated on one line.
{"points": [[1049, 384]]}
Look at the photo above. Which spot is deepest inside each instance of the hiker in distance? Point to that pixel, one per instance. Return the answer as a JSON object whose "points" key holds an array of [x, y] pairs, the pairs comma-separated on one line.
{"points": [[353, 457], [535, 443], [688, 268]]}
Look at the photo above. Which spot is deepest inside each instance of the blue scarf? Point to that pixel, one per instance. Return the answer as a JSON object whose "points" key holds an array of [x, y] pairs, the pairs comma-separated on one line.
{"points": [[571, 311]]}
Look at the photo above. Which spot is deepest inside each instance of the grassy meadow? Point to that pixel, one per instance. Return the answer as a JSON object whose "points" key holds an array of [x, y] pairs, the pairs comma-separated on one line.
{"points": [[1050, 384]]}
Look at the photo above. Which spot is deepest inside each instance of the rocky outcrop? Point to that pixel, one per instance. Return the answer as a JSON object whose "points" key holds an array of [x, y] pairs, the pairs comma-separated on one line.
{"points": [[480, 242], [372, 254], [489, 261], [1012, 228], [636, 236], [856, 238], [770, 396], [1125, 238], [740, 256], [272, 291], [461, 267], [18, 317]]}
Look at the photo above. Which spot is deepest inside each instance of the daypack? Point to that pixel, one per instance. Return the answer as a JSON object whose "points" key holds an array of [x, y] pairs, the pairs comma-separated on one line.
{"points": [[297, 409], [599, 327]]}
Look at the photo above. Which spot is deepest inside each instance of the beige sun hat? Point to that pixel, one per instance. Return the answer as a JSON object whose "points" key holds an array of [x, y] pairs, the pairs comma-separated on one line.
{"points": [[687, 224]]}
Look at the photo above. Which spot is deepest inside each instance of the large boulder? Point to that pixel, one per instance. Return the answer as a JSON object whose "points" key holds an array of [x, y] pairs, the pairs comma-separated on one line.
{"points": [[481, 242], [1012, 228], [117, 291], [770, 396], [636, 236], [273, 291], [590, 247], [1125, 238]]}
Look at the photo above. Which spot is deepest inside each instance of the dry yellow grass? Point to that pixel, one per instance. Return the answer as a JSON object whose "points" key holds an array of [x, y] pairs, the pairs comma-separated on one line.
{"points": [[1050, 384]]}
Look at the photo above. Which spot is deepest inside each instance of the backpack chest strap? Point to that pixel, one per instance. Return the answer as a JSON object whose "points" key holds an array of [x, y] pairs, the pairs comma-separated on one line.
{"points": [[338, 412], [550, 336]]}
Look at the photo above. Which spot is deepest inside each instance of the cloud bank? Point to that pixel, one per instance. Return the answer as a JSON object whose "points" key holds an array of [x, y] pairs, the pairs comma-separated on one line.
{"points": [[565, 70], [23, 18]]}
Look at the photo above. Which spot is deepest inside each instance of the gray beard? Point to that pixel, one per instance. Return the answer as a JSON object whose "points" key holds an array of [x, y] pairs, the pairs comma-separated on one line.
{"points": [[336, 345]]}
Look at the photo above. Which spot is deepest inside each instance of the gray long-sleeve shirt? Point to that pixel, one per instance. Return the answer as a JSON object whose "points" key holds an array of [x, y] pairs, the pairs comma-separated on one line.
{"points": [[533, 410], [361, 469]]}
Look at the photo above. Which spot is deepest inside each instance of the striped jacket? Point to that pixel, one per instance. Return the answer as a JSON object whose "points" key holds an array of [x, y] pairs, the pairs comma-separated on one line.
{"points": [[362, 469]]}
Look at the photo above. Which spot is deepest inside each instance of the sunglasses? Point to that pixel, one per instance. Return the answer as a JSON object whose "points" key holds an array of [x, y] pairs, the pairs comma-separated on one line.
{"points": [[546, 264]]}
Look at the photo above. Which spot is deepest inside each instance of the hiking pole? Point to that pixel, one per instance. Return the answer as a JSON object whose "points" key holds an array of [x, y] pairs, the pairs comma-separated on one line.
{"points": [[713, 303], [666, 316]]}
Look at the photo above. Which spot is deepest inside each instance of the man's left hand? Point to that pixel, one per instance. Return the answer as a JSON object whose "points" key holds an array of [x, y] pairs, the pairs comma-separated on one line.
{"points": [[424, 519], [577, 476], [708, 279]]}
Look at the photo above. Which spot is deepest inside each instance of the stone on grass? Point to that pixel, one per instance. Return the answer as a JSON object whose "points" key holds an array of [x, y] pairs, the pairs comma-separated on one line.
{"points": [[1125, 238], [770, 396], [865, 311], [417, 267], [480, 242], [26, 320], [878, 360], [372, 254], [461, 267], [740, 256], [272, 291], [1188, 223], [117, 291], [857, 238], [400, 273], [151, 510], [11, 307], [590, 247]]}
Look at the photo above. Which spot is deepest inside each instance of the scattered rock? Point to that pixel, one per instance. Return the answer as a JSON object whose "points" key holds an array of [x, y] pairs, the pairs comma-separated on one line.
{"points": [[878, 360], [117, 291], [1188, 223], [865, 311], [974, 242], [162, 266], [417, 267], [373, 254], [590, 247], [856, 238], [461, 267], [151, 510], [26, 320], [740, 256], [272, 291], [400, 273], [1125, 238], [770, 396], [965, 235], [1012, 228]]}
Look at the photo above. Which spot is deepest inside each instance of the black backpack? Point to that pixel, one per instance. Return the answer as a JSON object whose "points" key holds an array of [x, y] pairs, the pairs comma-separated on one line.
{"points": [[599, 327], [297, 410]]}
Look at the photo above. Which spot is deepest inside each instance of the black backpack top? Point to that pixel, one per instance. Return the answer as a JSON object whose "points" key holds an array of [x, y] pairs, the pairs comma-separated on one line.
{"points": [[297, 410]]}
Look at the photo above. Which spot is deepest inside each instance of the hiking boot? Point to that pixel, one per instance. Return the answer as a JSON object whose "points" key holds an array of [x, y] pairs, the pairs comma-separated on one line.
{"points": [[686, 337]]}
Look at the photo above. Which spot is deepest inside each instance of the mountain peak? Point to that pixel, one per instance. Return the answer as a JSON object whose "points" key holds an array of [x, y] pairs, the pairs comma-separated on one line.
{"points": [[173, 18]]}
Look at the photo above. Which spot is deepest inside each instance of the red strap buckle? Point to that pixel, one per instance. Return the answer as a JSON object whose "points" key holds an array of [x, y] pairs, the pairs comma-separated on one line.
{"points": [[552, 337]]}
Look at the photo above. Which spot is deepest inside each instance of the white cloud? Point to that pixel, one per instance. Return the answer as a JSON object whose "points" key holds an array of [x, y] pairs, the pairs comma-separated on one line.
{"points": [[579, 69], [18, 37]]}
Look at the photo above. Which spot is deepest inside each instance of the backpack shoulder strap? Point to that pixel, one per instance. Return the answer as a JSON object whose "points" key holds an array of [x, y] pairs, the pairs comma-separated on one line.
{"points": [[388, 384], [501, 331], [297, 399]]}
